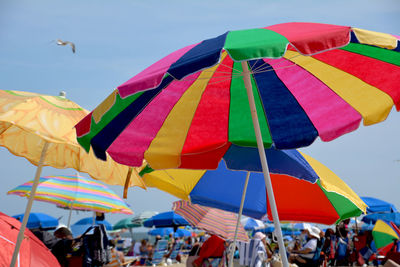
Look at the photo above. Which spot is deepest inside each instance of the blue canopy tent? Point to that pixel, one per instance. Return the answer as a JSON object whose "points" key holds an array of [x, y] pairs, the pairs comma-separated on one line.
{"points": [[38, 220], [377, 205]]}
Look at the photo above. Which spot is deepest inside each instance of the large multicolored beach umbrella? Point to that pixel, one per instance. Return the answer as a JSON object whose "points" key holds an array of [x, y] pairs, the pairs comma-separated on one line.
{"points": [[325, 200], [40, 128], [214, 221], [385, 233], [74, 192], [284, 85]]}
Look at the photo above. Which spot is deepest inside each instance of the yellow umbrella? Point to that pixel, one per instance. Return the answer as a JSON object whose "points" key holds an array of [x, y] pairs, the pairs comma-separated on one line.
{"points": [[41, 129]]}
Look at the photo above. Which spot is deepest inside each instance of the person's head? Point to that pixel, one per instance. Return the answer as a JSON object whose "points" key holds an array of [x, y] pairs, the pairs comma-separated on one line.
{"points": [[261, 236], [63, 233], [144, 242], [313, 231], [112, 243]]}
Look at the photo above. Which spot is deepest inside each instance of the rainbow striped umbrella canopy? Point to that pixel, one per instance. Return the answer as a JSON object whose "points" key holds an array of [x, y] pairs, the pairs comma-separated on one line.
{"points": [[190, 109], [74, 192], [385, 233], [214, 221]]}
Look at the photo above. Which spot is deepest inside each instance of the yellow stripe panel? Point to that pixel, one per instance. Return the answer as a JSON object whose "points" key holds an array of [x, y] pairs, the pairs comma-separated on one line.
{"points": [[382, 227], [373, 104], [332, 183], [165, 150], [178, 182], [375, 38]]}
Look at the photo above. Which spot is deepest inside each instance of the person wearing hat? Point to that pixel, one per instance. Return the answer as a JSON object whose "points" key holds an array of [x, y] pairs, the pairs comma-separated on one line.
{"points": [[304, 256], [263, 252]]}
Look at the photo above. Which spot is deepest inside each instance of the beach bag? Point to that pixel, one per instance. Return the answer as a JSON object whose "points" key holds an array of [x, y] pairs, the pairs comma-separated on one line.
{"points": [[341, 250], [93, 248]]}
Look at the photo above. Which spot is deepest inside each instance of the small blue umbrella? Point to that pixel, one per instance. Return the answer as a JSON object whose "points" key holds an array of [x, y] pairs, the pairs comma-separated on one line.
{"points": [[373, 217], [82, 225], [252, 224], [169, 230], [38, 220], [377, 205], [166, 219]]}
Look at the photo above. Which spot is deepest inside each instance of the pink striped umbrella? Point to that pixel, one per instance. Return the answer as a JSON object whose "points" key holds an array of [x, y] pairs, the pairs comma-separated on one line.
{"points": [[214, 221]]}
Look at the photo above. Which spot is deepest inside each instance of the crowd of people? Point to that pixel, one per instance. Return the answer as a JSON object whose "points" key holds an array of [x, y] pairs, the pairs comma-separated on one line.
{"points": [[313, 247]]}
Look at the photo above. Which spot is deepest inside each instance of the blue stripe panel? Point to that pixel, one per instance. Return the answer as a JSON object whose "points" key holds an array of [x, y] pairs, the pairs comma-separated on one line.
{"points": [[203, 55], [289, 125], [353, 38], [102, 141], [289, 162], [222, 189]]}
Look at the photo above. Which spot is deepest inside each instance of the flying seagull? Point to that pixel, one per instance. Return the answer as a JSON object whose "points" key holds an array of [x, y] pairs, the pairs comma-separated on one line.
{"points": [[61, 42]]}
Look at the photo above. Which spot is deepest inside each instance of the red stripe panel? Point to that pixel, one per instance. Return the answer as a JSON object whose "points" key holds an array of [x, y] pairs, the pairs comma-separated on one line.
{"points": [[309, 38], [382, 75], [299, 200], [207, 138]]}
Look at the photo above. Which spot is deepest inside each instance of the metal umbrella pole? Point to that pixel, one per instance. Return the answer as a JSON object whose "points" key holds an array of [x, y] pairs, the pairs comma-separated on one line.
{"points": [[263, 159], [35, 184]]}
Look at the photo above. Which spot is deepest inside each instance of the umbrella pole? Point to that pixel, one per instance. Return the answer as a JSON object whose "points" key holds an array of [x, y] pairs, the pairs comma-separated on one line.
{"points": [[233, 246], [69, 217], [263, 159], [35, 184]]}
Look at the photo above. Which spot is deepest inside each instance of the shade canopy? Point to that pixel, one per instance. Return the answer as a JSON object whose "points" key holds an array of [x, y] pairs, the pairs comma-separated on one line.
{"points": [[38, 220], [32, 253], [166, 219], [378, 205], [385, 233], [79, 227], [211, 220], [75, 192], [391, 217], [326, 200], [190, 109]]}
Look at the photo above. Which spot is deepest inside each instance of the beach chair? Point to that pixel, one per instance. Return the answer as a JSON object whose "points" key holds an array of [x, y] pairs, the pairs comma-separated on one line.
{"points": [[175, 251], [159, 251]]}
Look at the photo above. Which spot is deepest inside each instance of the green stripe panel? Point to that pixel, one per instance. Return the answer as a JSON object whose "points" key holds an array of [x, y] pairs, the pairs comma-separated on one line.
{"points": [[255, 43], [343, 206], [382, 239], [386, 55], [119, 105], [241, 129]]}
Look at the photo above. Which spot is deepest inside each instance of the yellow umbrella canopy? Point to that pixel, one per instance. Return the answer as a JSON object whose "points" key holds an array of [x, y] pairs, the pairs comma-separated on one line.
{"points": [[41, 129], [29, 120]]}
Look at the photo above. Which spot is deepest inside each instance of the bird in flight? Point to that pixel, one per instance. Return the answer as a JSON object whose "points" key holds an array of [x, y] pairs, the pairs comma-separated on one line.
{"points": [[61, 42]]}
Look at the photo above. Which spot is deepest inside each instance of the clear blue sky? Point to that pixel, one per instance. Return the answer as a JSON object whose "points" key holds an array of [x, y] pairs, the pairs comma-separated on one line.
{"points": [[117, 39]]}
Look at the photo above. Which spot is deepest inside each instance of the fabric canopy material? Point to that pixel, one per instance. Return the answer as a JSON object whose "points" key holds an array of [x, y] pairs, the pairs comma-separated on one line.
{"points": [[32, 253], [213, 221], [327, 200], [38, 220], [190, 109], [391, 217], [377, 205], [75, 192], [385, 233], [166, 219], [79, 227]]}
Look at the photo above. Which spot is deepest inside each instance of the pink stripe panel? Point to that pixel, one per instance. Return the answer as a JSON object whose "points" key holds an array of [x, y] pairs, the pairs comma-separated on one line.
{"points": [[309, 38], [330, 114], [131, 144], [152, 76]]}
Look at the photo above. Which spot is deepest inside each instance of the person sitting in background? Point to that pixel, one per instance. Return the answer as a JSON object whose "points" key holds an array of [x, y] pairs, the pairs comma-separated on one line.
{"points": [[117, 257], [143, 251], [63, 247], [304, 256], [213, 247]]}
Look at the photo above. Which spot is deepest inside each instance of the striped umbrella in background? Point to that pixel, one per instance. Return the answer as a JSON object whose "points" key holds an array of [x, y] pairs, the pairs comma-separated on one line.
{"points": [[214, 221], [74, 192]]}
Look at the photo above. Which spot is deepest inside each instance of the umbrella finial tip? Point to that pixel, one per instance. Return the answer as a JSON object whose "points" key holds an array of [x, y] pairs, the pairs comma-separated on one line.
{"points": [[62, 94]]}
